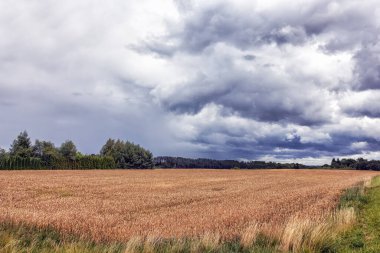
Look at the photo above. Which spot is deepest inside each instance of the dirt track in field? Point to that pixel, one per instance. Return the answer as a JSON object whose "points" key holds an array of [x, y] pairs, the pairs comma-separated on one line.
{"points": [[116, 204]]}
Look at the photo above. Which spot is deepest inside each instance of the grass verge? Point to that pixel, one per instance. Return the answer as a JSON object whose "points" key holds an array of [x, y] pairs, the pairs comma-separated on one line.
{"points": [[365, 235]]}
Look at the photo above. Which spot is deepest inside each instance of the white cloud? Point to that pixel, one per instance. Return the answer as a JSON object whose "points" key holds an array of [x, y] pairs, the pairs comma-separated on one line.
{"points": [[359, 145]]}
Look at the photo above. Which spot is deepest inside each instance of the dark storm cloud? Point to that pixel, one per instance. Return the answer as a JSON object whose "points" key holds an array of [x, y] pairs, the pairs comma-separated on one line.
{"points": [[246, 28], [259, 96], [368, 67], [282, 147], [360, 112], [220, 23]]}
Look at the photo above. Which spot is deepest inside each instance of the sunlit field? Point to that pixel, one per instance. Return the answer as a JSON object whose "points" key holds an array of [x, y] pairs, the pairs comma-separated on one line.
{"points": [[120, 204]]}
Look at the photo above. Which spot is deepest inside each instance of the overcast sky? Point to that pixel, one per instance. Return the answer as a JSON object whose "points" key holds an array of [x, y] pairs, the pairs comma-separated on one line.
{"points": [[240, 79]]}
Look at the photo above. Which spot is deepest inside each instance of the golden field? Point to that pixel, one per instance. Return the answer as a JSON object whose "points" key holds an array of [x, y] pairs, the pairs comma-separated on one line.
{"points": [[117, 205]]}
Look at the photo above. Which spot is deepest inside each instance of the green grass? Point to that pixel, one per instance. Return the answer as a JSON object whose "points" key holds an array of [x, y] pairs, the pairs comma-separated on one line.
{"points": [[365, 236], [353, 197]]}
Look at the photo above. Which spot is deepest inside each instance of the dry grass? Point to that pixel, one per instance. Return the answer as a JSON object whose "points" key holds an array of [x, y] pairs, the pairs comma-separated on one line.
{"points": [[305, 234], [133, 245], [249, 235], [209, 204]]}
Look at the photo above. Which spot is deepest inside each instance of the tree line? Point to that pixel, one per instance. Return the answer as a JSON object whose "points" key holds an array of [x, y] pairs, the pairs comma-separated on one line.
{"points": [[358, 164], [115, 154], [180, 162], [119, 154]]}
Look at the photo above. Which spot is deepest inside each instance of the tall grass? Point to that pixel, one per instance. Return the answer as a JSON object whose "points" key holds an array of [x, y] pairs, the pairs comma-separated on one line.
{"points": [[315, 235]]}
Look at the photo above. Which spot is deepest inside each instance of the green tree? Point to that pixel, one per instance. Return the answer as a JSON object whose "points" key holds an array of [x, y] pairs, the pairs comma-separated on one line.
{"points": [[68, 150], [108, 148], [46, 151], [127, 154], [21, 146], [3, 154]]}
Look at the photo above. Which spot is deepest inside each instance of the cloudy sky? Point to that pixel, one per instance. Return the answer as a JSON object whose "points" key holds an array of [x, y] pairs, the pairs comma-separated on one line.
{"points": [[239, 79]]}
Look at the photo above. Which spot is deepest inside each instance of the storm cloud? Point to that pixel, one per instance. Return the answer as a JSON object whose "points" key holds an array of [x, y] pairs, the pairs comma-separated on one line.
{"points": [[263, 80]]}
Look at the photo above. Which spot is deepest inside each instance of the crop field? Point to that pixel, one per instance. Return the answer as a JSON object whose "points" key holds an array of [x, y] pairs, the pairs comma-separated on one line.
{"points": [[116, 205]]}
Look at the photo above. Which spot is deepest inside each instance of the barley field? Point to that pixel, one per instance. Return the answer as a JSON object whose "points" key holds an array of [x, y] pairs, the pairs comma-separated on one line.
{"points": [[120, 204]]}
